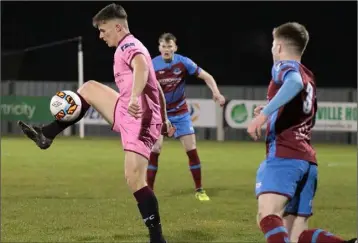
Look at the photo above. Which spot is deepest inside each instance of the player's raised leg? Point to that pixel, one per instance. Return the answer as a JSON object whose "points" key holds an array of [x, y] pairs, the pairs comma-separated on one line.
{"points": [[153, 162], [91, 93]]}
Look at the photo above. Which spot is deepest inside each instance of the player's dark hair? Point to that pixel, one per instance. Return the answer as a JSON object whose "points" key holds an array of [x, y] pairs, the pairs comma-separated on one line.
{"points": [[294, 33], [111, 11], [167, 37]]}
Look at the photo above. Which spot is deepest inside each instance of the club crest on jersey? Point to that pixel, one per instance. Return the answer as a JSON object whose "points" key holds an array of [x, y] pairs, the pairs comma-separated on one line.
{"points": [[177, 71], [125, 46]]}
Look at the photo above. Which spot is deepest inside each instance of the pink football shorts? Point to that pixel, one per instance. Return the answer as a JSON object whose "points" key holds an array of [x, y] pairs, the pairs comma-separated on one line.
{"points": [[136, 137]]}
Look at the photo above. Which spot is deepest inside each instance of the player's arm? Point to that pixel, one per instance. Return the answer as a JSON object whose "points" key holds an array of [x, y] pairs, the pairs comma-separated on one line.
{"points": [[167, 128], [193, 69], [209, 80], [140, 74], [292, 85], [163, 104]]}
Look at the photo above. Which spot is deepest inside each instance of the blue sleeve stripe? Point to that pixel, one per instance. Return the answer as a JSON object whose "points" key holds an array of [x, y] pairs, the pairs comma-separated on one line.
{"points": [[292, 85]]}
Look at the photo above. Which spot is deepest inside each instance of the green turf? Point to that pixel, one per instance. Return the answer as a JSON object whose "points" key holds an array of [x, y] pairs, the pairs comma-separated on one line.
{"points": [[76, 191]]}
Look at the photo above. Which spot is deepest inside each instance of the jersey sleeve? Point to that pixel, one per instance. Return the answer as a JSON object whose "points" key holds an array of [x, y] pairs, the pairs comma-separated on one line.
{"points": [[155, 63], [292, 85], [191, 66], [281, 69], [128, 51]]}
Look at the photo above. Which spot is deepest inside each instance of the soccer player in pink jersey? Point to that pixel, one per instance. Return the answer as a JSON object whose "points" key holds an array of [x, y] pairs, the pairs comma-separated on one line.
{"points": [[136, 112], [286, 180]]}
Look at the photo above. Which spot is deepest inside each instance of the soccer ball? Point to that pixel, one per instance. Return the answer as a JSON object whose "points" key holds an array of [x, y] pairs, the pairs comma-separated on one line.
{"points": [[65, 106]]}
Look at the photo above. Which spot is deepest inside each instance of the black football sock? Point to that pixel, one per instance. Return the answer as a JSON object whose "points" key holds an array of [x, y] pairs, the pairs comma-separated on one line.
{"points": [[56, 127], [148, 207]]}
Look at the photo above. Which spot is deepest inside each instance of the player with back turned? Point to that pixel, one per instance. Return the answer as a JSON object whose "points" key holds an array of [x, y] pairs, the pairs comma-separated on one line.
{"points": [[135, 112], [171, 70], [286, 180]]}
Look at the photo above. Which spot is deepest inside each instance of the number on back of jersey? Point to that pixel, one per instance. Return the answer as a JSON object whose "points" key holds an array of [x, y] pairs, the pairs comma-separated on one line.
{"points": [[308, 102]]}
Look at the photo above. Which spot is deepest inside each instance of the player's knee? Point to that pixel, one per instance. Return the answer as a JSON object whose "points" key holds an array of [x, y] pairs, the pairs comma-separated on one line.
{"points": [[260, 215], [135, 176], [87, 88], [266, 212], [132, 178], [193, 144], [189, 142], [258, 220]]}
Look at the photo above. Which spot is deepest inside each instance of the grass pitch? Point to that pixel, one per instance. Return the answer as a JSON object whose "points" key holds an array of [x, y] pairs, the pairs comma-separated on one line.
{"points": [[76, 191]]}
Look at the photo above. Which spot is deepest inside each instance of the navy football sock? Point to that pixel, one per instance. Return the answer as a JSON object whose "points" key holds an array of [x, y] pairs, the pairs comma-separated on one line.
{"points": [[148, 207]]}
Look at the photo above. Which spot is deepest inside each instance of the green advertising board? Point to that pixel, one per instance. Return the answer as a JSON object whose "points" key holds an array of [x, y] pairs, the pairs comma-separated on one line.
{"points": [[26, 108], [330, 116]]}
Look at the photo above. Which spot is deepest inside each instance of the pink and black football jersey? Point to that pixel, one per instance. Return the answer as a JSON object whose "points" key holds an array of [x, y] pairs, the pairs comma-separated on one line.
{"points": [[171, 76], [289, 129]]}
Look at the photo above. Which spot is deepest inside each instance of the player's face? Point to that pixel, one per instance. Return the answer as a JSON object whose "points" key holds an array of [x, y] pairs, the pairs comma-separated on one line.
{"points": [[109, 32], [167, 49], [276, 49]]}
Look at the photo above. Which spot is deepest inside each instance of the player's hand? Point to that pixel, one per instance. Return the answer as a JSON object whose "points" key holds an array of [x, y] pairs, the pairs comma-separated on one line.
{"points": [[168, 129], [133, 108], [219, 98], [258, 109], [254, 128]]}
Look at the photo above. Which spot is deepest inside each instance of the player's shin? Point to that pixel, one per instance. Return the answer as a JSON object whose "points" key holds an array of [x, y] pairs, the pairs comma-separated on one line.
{"points": [[56, 127], [152, 169], [273, 229], [135, 173], [195, 167], [149, 209], [318, 236], [270, 210]]}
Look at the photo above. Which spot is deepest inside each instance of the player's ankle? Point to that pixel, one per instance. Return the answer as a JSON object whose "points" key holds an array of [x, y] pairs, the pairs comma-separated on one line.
{"points": [[156, 233]]}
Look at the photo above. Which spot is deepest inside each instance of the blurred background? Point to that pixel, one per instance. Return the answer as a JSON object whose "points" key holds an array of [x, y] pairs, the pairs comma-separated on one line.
{"points": [[231, 40]]}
